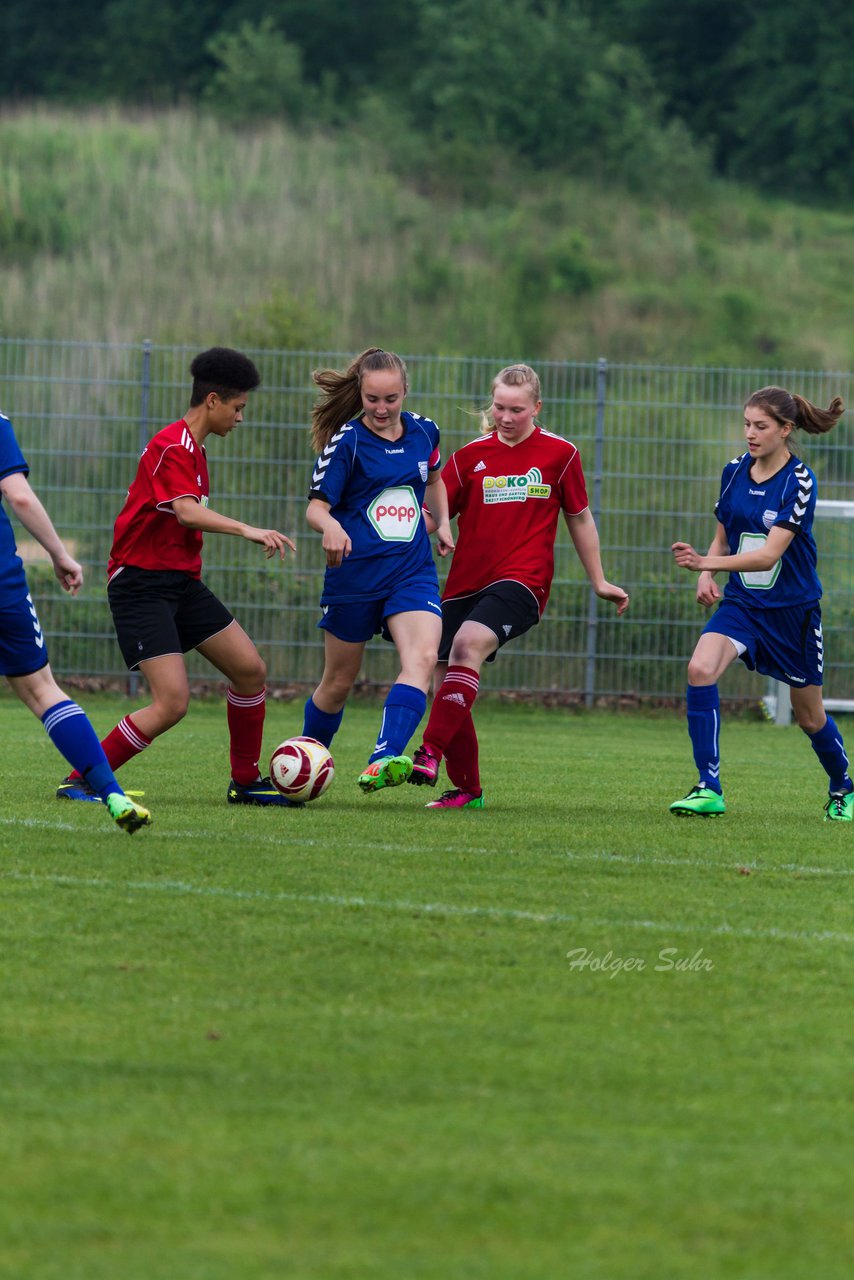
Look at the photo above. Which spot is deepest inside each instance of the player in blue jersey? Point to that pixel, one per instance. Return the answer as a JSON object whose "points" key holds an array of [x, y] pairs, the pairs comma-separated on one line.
{"points": [[770, 615], [377, 463], [23, 651]]}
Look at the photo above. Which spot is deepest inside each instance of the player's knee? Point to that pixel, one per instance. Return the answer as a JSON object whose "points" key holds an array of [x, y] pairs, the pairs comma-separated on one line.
{"points": [[336, 688], [466, 653], [171, 709], [422, 664], [700, 672], [258, 673], [809, 721]]}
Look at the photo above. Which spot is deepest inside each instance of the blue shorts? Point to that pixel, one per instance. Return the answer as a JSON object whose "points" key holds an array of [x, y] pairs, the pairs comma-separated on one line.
{"points": [[23, 648], [785, 644], [358, 620]]}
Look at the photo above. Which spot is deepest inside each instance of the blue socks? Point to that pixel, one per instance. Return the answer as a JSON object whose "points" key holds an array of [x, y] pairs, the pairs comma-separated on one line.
{"points": [[70, 731], [404, 707], [704, 722], [828, 746], [322, 725]]}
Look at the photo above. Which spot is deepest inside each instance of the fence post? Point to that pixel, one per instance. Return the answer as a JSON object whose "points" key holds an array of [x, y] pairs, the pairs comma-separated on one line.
{"points": [[595, 506], [144, 431]]}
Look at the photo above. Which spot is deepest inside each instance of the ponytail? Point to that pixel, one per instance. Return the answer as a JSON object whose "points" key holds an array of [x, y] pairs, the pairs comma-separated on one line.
{"points": [[786, 406]]}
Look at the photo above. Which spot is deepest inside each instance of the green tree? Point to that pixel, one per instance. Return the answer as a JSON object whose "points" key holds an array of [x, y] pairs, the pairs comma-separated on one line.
{"points": [[259, 73], [539, 81], [792, 118]]}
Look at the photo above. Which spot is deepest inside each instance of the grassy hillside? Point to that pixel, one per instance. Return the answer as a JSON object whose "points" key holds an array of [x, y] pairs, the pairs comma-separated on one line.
{"points": [[118, 226]]}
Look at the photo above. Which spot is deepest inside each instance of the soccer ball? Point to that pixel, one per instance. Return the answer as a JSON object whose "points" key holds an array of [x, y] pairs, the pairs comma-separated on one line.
{"points": [[301, 768]]}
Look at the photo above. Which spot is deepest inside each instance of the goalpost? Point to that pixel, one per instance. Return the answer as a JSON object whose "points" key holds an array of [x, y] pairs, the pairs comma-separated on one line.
{"points": [[776, 701]]}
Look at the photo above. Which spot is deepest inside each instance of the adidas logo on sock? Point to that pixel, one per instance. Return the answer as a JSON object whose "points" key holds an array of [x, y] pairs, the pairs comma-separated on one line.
{"points": [[454, 697]]}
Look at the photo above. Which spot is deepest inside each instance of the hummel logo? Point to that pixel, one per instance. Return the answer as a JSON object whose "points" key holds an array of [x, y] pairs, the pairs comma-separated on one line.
{"points": [[454, 697], [381, 746], [481, 466], [506, 629]]}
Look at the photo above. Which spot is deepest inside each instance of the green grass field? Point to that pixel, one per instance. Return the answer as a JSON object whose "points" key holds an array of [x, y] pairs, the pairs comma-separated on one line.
{"points": [[567, 1036]]}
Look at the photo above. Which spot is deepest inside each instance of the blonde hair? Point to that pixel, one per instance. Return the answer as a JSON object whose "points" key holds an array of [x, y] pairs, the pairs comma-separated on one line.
{"points": [[341, 397], [787, 406], [515, 375]]}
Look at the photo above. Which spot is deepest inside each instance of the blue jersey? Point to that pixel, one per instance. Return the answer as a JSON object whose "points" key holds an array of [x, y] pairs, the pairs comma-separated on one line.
{"points": [[747, 509], [375, 488], [11, 461]]}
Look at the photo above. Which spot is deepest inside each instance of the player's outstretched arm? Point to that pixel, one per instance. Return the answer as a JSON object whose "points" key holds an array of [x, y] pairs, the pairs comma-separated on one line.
{"points": [[192, 515], [764, 557], [585, 538], [17, 491]]}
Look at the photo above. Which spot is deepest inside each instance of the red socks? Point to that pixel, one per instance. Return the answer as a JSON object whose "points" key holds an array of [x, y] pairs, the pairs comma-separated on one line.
{"points": [[122, 744], [461, 758], [451, 708], [246, 730]]}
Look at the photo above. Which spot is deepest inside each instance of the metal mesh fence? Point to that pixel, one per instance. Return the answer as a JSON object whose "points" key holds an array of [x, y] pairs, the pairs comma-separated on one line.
{"points": [[653, 441]]}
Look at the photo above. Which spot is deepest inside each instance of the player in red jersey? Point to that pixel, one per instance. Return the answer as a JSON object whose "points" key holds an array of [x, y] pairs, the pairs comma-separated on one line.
{"points": [[161, 608], [507, 489]]}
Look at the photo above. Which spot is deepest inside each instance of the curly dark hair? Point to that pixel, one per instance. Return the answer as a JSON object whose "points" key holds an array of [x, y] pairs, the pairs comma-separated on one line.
{"points": [[221, 369]]}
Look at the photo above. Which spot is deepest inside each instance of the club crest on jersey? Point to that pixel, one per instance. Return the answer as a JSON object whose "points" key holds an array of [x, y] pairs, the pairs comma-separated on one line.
{"points": [[515, 488], [422, 471], [395, 514], [768, 518]]}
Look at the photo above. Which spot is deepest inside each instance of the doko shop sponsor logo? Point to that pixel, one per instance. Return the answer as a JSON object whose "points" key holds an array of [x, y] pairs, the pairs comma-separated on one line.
{"points": [[515, 488]]}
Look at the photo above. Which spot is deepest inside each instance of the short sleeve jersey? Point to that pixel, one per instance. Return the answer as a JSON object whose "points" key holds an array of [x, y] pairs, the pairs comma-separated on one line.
{"points": [[147, 533], [507, 499], [12, 461], [375, 489], [748, 509]]}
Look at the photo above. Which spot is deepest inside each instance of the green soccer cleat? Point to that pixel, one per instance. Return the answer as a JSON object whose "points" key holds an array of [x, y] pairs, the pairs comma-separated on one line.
{"points": [[840, 807], [700, 802], [457, 799], [389, 772], [126, 813]]}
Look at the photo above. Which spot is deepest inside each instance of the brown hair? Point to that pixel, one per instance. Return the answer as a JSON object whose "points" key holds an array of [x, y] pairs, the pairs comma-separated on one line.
{"points": [[341, 397], [785, 406], [515, 375]]}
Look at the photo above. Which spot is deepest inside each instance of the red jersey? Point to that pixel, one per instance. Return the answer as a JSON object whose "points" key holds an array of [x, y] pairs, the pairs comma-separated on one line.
{"points": [[147, 533], [508, 499]]}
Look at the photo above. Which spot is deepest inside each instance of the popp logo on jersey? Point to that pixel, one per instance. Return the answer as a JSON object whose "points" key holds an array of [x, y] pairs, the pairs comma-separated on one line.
{"points": [[395, 514]]}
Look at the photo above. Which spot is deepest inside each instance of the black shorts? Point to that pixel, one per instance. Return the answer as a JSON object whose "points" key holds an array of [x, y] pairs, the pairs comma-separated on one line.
{"points": [[507, 608], [161, 611]]}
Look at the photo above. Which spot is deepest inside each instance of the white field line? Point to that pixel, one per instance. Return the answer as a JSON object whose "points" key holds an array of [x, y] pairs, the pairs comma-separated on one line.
{"points": [[407, 907], [592, 855]]}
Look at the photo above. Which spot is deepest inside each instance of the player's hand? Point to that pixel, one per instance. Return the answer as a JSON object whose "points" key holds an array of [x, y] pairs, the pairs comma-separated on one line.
{"points": [[271, 540], [69, 573], [686, 557], [336, 543], [708, 591], [444, 539], [616, 595]]}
